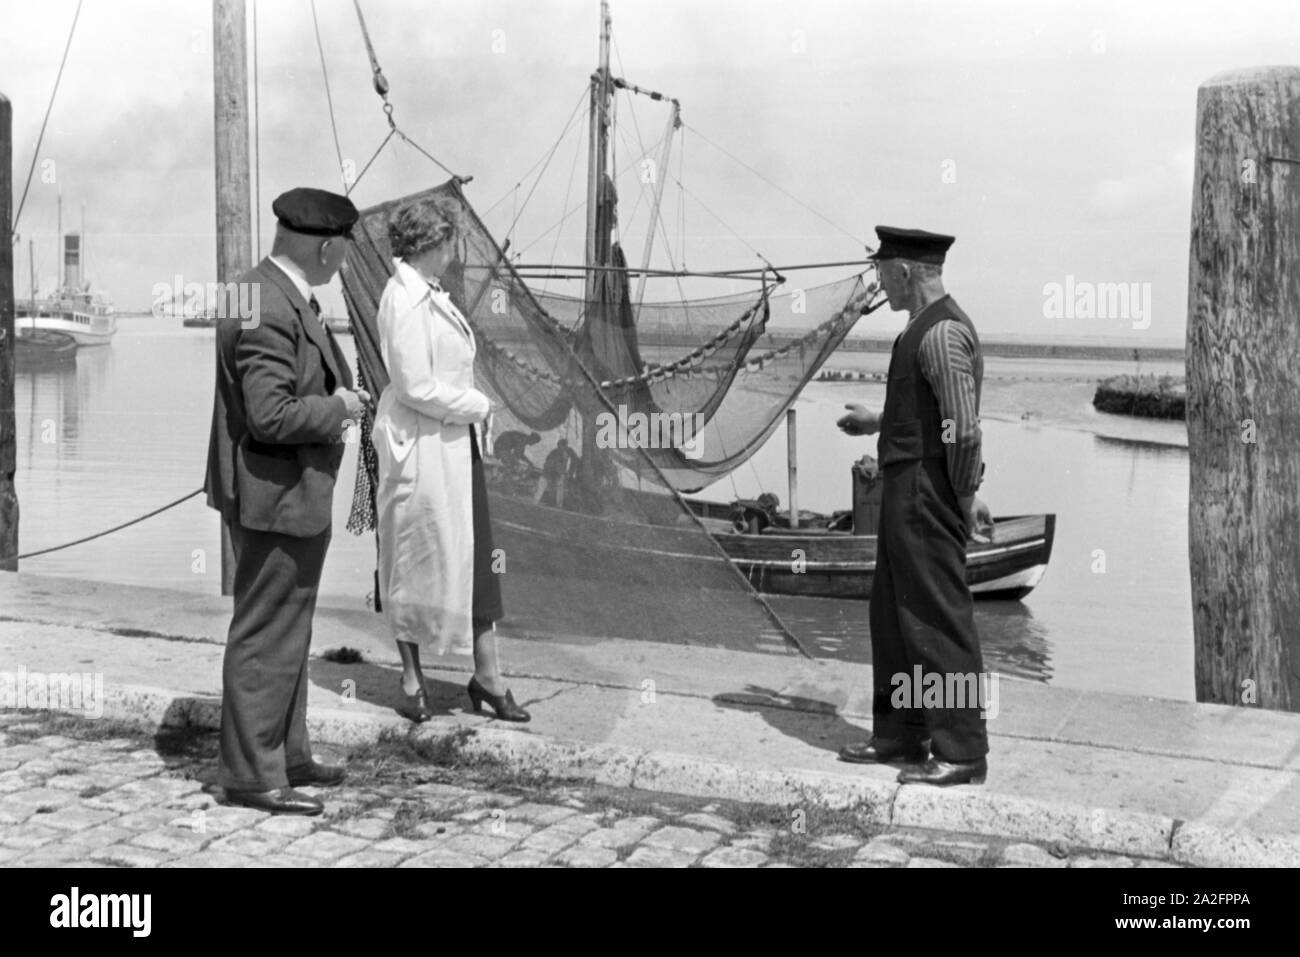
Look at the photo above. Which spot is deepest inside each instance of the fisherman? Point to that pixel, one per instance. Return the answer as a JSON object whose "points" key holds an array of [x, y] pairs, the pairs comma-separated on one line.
{"points": [[559, 468], [509, 449], [922, 614], [283, 403]]}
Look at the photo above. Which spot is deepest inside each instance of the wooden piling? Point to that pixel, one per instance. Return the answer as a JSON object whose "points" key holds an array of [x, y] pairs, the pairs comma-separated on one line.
{"points": [[234, 205], [8, 428], [1243, 389]]}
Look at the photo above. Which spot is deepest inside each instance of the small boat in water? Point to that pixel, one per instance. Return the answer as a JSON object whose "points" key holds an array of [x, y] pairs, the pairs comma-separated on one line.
{"points": [[834, 556], [823, 563]]}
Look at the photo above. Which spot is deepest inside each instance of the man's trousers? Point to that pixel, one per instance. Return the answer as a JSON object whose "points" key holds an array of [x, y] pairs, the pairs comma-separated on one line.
{"points": [[922, 614], [264, 676]]}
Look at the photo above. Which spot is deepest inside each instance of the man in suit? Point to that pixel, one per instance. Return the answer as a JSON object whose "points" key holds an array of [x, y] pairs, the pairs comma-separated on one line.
{"points": [[283, 401], [922, 615]]}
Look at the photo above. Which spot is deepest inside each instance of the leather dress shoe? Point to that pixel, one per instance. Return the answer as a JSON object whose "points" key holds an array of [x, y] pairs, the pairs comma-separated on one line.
{"points": [[415, 706], [944, 773], [503, 704], [280, 801], [317, 775], [885, 750]]}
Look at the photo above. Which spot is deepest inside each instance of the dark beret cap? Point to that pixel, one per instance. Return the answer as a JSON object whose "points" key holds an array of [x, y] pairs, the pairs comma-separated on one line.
{"points": [[914, 244], [315, 212]]}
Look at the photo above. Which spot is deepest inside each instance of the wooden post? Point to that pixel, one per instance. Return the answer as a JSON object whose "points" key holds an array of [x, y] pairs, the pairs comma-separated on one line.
{"points": [[792, 466], [234, 206], [8, 430], [1243, 393]]}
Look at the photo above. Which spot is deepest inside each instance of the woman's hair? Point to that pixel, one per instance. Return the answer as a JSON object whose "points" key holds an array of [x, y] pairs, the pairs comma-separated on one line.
{"points": [[422, 225]]}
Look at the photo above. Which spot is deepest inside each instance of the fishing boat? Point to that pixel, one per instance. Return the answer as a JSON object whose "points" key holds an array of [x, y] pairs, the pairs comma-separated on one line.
{"points": [[823, 558], [626, 403]]}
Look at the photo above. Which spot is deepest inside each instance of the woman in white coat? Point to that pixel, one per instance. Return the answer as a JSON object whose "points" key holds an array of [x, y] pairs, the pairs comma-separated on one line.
{"points": [[436, 578]]}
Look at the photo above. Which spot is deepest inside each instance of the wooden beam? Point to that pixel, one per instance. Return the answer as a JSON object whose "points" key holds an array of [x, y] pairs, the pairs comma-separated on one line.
{"points": [[8, 430], [234, 205], [1243, 394]]}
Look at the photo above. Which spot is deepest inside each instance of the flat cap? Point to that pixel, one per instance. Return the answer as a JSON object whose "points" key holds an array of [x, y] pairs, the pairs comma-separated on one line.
{"points": [[315, 212], [914, 244]]}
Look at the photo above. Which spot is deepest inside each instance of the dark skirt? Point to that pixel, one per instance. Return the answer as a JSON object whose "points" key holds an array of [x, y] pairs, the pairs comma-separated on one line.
{"points": [[487, 582]]}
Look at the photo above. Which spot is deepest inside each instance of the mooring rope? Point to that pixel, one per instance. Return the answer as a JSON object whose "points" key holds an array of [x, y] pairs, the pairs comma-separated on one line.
{"points": [[107, 531], [36, 153]]}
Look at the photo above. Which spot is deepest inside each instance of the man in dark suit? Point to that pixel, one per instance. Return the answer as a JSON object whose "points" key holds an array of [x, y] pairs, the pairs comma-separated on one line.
{"points": [[927, 667], [283, 401]]}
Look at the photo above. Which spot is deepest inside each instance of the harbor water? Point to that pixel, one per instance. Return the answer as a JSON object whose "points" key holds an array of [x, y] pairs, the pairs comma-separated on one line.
{"points": [[126, 431]]}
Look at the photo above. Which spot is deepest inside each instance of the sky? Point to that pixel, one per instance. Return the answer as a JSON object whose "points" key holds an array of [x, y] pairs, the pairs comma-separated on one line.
{"points": [[1055, 140]]}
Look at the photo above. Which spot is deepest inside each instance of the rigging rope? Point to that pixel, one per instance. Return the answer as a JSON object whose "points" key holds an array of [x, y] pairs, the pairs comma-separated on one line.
{"points": [[568, 191], [107, 531], [781, 189], [48, 109], [329, 100], [381, 87], [567, 126]]}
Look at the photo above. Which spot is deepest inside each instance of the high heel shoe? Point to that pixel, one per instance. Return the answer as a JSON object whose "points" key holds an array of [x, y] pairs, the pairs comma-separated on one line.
{"points": [[504, 705], [415, 706]]}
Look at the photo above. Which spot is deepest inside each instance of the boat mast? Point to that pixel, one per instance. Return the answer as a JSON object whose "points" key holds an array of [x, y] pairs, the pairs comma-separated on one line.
{"points": [[58, 250], [598, 148], [661, 176]]}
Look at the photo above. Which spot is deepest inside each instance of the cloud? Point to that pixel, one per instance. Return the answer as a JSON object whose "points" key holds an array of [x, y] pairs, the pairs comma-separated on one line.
{"points": [[1155, 184]]}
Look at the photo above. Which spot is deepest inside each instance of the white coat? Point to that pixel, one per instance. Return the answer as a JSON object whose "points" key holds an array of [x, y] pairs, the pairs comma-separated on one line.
{"points": [[421, 438]]}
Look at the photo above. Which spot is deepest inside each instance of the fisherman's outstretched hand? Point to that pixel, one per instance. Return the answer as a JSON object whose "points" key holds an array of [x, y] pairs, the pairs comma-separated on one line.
{"points": [[859, 420], [979, 520]]}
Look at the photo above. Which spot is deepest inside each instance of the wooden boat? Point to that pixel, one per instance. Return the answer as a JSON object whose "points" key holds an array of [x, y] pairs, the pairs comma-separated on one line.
{"points": [[818, 562]]}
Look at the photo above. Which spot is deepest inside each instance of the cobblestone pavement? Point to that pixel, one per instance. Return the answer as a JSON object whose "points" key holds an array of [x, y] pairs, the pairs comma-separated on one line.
{"points": [[93, 793]]}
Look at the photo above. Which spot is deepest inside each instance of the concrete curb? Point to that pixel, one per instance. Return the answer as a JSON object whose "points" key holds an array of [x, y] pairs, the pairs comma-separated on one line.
{"points": [[968, 810]]}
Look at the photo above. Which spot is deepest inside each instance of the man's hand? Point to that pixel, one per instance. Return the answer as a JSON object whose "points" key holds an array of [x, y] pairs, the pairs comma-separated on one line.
{"points": [[355, 402], [859, 421], [979, 520]]}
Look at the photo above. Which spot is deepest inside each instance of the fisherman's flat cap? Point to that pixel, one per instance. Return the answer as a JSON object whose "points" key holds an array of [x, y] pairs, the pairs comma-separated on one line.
{"points": [[914, 244], [315, 212]]}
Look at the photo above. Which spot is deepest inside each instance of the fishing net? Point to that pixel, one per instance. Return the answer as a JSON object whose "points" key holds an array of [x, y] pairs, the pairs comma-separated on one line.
{"points": [[605, 413]]}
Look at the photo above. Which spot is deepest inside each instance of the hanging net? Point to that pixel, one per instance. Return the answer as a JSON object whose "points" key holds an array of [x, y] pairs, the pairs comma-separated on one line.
{"points": [[605, 414]]}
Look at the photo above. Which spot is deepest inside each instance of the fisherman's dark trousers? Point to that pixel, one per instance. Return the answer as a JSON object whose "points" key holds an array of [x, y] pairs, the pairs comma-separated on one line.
{"points": [[264, 676], [922, 614]]}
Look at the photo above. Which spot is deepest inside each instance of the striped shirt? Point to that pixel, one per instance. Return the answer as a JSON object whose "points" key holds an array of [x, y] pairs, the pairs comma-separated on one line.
{"points": [[947, 357]]}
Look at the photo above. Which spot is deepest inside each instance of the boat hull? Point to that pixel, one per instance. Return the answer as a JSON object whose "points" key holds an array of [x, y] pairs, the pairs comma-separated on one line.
{"points": [[94, 331], [40, 348], [827, 564]]}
